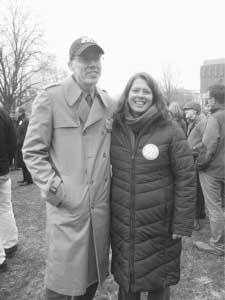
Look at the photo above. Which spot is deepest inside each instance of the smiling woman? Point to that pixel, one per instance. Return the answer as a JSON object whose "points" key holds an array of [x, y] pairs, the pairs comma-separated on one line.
{"points": [[152, 193], [140, 96]]}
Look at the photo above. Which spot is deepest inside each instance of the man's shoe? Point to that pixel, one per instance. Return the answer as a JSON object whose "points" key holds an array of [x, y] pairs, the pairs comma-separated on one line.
{"points": [[3, 266], [207, 247], [25, 183], [10, 252], [21, 181]]}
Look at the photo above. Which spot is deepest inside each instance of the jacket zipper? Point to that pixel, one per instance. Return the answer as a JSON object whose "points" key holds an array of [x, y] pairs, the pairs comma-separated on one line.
{"points": [[133, 141], [132, 221]]}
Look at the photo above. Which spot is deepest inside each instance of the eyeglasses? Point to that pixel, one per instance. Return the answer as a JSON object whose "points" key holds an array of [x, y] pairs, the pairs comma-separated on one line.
{"points": [[87, 60]]}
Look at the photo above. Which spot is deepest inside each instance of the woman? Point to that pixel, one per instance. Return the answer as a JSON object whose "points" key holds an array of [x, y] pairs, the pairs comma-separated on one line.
{"points": [[153, 193], [177, 115]]}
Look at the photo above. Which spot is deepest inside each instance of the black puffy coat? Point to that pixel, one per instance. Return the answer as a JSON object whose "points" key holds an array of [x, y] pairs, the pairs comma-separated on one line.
{"points": [[7, 142], [150, 200]]}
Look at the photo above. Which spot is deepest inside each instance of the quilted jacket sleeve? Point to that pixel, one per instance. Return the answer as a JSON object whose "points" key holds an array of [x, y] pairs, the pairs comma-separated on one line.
{"points": [[184, 184]]}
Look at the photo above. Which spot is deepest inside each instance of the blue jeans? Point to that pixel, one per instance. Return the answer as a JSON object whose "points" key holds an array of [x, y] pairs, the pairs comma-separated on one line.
{"points": [[213, 190]]}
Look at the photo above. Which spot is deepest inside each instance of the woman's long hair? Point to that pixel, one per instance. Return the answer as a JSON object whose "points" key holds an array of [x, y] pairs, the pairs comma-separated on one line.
{"points": [[157, 96]]}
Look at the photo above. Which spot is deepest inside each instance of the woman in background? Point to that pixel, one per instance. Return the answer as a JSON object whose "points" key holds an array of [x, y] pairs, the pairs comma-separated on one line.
{"points": [[153, 193], [177, 115]]}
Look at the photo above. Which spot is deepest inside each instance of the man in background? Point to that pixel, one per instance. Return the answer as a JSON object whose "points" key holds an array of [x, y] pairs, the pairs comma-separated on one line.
{"points": [[196, 124], [8, 228], [212, 168], [21, 129]]}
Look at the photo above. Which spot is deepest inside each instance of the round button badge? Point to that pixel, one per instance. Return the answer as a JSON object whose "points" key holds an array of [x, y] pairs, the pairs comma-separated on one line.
{"points": [[150, 151]]}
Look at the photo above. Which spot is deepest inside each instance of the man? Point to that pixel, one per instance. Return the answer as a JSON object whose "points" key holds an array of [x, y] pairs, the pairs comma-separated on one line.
{"points": [[21, 129], [67, 152], [196, 124], [8, 228], [212, 168]]}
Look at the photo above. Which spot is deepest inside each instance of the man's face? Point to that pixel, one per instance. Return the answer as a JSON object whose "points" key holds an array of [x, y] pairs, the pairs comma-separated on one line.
{"points": [[190, 115], [211, 102], [87, 68]]}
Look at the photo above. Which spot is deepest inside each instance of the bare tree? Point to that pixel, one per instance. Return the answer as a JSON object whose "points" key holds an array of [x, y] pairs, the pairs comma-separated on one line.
{"points": [[21, 41], [170, 83], [51, 72]]}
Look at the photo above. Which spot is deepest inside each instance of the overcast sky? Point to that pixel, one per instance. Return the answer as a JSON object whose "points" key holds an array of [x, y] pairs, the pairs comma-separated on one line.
{"points": [[138, 35]]}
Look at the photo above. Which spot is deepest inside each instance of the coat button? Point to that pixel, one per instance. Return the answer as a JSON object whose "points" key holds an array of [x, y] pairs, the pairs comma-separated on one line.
{"points": [[91, 181], [104, 154]]}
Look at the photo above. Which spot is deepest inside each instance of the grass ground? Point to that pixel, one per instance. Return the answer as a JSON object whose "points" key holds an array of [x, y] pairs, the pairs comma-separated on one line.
{"points": [[202, 275]]}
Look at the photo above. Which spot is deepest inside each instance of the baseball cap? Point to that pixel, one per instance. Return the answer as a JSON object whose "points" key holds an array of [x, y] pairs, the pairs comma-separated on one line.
{"points": [[193, 105], [81, 44]]}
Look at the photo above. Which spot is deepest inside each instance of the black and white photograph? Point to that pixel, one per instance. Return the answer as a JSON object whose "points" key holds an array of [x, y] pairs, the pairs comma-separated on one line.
{"points": [[112, 150]]}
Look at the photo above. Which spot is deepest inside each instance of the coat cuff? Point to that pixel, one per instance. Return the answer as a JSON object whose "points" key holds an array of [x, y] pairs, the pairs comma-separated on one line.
{"points": [[55, 183], [52, 185]]}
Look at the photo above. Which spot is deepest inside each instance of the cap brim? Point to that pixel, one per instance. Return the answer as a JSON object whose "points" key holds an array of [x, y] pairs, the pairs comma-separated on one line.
{"points": [[90, 45]]}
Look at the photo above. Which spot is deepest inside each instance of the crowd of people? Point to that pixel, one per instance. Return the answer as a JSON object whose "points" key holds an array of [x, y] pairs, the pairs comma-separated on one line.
{"points": [[135, 175], [205, 134]]}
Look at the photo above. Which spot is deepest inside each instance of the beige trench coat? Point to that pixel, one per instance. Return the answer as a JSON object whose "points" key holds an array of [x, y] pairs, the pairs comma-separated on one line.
{"points": [[60, 153]]}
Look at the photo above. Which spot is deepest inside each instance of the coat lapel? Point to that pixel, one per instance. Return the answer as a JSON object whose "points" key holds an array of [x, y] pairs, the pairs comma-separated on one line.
{"points": [[97, 112], [72, 91]]}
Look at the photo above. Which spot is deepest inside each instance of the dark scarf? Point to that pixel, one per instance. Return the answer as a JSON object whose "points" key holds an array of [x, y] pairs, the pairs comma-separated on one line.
{"points": [[137, 123]]}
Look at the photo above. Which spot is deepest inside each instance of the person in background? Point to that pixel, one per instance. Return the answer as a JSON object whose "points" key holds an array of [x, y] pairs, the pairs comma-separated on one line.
{"points": [[8, 228], [153, 193], [195, 128], [211, 166], [67, 151], [21, 129], [207, 111], [177, 115]]}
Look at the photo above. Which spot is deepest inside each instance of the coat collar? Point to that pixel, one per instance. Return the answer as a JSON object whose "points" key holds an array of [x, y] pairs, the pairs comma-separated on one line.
{"points": [[73, 92], [216, 107]]}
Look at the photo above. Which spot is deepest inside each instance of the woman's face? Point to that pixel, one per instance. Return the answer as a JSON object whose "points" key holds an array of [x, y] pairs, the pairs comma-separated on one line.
{"points": [[140, 97]]}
